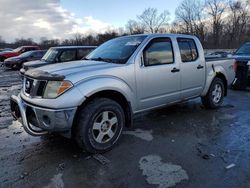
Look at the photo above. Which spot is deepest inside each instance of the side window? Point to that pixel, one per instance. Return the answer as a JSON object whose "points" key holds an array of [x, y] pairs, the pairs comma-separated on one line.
{"points": [[188, 49], [27, 49], [159, 51], [82, 52], [37, 54], [23, 50], [67, 55]]}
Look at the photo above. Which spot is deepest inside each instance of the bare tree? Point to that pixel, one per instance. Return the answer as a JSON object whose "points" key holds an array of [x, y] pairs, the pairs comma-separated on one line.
{"points": [[78, 38], [152, 21], [237, 22], [134, 27], [216, 9], [191, 15], [23, 41], [1, 40]]}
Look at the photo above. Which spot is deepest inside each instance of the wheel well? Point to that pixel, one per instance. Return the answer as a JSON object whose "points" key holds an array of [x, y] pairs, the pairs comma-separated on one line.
{"points": [[223, 78], [114, 95]]}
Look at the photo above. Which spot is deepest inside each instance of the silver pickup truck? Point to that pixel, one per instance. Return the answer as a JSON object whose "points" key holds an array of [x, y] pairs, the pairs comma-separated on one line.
{"points": [[93, 99]]}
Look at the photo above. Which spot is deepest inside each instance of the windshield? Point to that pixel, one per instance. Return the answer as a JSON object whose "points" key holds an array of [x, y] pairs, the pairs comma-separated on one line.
{"points": [[245, 49], [50, 55], [26, 54], [116, 50], [17, 49]]}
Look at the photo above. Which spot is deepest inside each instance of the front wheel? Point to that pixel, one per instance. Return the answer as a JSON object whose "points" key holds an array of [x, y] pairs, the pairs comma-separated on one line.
{"points": [[215, 94], [99, 125]]}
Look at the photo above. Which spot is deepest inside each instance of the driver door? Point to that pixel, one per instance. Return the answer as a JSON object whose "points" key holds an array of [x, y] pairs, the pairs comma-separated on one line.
{"points": [[158, 77]]}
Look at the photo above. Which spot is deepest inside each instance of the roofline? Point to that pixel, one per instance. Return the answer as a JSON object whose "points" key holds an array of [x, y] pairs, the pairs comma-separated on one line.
{"points": [[161, 35], [74, 47]]}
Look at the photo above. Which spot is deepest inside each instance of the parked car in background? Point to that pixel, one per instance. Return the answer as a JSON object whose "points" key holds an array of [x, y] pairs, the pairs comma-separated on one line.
{"points": [[218, 54], [6, 49], [17, 61], [58, 55], [94, 99], [17, 52], [242, 67]]}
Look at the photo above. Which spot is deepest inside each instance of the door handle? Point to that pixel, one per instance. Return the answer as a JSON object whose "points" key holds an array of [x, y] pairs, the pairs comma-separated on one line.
{"points": [[175, 70], [200, 67]]}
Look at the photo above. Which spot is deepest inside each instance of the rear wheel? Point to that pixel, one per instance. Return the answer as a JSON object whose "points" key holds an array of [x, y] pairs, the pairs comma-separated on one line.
{"points": [[215, 95], [99, 125]]}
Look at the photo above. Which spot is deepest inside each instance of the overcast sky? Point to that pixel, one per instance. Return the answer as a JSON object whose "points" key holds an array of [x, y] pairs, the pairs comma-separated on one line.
{"points": [[61, 19]]}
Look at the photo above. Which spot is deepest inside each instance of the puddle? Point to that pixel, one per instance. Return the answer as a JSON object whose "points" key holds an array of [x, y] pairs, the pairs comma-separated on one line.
{"points": [[161, 174], [56, 182], [227, 117], [142, 134]]}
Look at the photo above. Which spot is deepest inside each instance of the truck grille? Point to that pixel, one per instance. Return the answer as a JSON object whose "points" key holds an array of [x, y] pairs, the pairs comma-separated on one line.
{"points": [[33, 88]]}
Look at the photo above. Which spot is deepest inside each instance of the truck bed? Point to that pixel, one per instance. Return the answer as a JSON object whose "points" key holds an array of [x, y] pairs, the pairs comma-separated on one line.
{"points": [[226, 63]]}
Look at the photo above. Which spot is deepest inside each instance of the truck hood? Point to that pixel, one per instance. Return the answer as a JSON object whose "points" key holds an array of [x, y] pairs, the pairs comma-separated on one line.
{"points": [[77, 70], [244, 57], [13, 58], [34, 64]]}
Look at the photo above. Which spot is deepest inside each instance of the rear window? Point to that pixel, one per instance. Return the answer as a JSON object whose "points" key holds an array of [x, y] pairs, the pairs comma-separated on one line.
{"points": [[188, 49]]}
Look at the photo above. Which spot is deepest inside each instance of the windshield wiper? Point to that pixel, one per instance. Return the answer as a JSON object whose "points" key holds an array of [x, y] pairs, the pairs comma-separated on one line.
{"points": [[85, 58], [102, 59]]}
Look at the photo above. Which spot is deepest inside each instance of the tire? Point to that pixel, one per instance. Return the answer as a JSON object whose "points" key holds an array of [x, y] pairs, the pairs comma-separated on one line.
{"points": [[215, 94], [99, 125]]}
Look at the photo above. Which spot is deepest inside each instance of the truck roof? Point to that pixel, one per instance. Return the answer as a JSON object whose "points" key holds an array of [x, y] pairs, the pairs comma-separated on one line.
{"points": [[28, 46], [163, 34], [68, 47]]}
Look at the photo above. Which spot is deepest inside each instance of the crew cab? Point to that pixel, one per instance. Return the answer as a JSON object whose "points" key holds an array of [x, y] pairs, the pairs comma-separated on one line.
{"points": [[16, 52], [92, 100], [58, 55], [242, 64]]}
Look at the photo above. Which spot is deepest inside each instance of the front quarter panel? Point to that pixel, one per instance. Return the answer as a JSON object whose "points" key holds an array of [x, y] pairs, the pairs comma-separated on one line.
{"points": [[103, 83], [69, 99]]}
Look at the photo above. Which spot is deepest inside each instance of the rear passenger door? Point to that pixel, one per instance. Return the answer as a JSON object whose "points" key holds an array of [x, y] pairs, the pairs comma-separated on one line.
{"points": [[192, 69], [158, 76]]}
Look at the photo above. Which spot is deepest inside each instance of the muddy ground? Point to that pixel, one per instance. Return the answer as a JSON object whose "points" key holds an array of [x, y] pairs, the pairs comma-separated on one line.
{"points": [[182, 146]]}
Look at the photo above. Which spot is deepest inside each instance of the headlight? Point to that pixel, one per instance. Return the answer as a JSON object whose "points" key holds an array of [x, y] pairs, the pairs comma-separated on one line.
{"points": [[56, 88]]}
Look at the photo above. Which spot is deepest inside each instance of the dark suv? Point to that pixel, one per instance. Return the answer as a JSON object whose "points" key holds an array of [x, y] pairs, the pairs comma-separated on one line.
{"points": [[17, 61], [59, 54], [242, 64]]}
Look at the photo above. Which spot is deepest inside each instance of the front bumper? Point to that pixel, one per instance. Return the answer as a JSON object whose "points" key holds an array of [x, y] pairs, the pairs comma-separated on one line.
{"points": [[38, 121], [10, 64]]}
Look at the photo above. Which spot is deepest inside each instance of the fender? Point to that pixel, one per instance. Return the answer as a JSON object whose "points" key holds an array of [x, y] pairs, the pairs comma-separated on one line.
{"points": [[212, 72], [95, 84]]}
